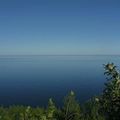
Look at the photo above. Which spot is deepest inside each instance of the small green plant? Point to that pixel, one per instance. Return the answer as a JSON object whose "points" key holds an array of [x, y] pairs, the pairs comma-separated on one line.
{"points": [[71, 109], [91, 110], [51, 109]]}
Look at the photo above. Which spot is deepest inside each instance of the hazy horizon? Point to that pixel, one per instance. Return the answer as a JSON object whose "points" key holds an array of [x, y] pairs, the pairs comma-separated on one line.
{"points": [[59, 54]]}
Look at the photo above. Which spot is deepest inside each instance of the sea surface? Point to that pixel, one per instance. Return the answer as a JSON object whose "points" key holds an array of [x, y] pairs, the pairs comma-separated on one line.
{"points": [[32, 80]]}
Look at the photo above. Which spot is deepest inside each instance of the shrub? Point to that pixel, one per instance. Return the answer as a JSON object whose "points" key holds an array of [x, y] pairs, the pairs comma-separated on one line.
{"points": [[110, 99]]}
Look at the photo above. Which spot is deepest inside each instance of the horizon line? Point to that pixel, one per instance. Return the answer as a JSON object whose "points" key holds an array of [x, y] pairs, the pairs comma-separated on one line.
{"points": [[60, 55]]}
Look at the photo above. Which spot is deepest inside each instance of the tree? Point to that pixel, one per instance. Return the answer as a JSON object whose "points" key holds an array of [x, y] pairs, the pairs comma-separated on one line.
{"points": [[71, 109], [110, 99]]}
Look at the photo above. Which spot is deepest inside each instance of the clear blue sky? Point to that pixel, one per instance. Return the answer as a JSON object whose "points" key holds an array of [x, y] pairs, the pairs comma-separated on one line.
{"points": [[56, 27]]}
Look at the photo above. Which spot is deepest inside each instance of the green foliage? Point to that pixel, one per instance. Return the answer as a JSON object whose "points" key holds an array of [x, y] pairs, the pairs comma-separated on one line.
{"points": [[110, 99], [51, 110], [91, 110], [71, 109]]}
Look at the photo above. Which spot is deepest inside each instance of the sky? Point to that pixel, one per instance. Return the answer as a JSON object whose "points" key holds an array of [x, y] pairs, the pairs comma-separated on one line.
{"points": [[59, 27]]}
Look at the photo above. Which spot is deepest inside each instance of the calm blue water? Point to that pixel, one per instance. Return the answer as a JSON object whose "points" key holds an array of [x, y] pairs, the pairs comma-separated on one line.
{"points": [[31, 80]]}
